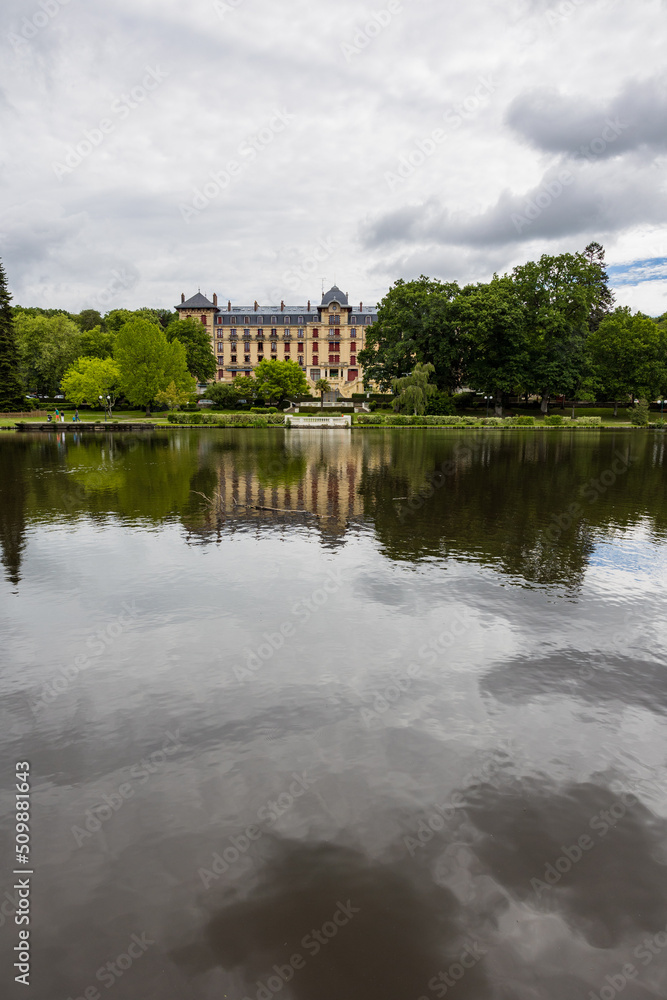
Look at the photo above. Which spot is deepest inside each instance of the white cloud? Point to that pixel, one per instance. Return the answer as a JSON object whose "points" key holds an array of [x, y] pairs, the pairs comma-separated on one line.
{"points": [[227, 72]]}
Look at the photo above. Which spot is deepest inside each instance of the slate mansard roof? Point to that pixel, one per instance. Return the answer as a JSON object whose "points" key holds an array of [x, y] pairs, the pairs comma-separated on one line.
{"points": [[334, 295], [197, 301]]}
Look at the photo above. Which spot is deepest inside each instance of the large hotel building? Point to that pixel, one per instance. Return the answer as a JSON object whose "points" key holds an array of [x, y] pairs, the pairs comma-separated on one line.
{"points": [[324, 339]]}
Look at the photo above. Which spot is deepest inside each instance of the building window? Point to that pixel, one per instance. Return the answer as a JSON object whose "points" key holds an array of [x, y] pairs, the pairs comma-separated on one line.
{"points": [[233, 359], [333, 373], [316, 360], [299, 348], [287, 348], [287, 331], [353, 345], [232, 319], [260, 333], [234, 374], [274, 347], [300, 319], [314, 374], [203, 319], [368, 319], [274, 319], [353, 359], [273, 329], [246, 332], [299, 334], [352, 374], [260, 320], [246, 358], [315, 333]]}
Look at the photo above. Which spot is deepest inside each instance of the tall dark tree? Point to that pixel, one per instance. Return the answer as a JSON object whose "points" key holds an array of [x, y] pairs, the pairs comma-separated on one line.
{"points": [[12, 395], [594, 254], [197, 343]]}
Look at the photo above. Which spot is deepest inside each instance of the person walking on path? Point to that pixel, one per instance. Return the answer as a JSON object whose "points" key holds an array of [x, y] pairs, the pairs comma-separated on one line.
{"points": [[56, 415]]}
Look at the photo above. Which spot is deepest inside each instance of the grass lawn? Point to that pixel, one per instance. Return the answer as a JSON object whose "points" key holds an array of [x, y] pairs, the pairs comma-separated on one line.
{"points": [[94, 416]]}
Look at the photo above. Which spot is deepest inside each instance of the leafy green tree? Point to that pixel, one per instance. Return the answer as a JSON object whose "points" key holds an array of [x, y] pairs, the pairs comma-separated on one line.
{"points": [[493, 320], [199, 354], [278, 379], [12, 396], [88, 319], [639, 414], [416, 324], [245, 388], [96, 343], [148, 362], [172, 396], [322, 385], [414, 391], [629, 356], [223, 394], [604, 303], [91, 378], [558, 295], [48, 346]]}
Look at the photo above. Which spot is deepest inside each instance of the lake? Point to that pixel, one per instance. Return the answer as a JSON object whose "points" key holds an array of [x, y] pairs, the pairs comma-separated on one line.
{"points": [[336, 714]]}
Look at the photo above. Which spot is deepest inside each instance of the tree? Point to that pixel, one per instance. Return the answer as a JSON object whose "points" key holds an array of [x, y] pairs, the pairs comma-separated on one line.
{"points": [[199, 355], [322, 385], [413, 391], [492, 318], [275, 380], [416, 323], [12, 396], [148, 362], [48, 346], [245, 389], [628, 355], [173, 396], [88, 319], [223, 394], [96, 343], [91, 378], [594, 254], [558, 295]]}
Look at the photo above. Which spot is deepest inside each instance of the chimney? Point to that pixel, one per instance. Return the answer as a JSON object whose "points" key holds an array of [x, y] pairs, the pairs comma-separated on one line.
{"points": [[282, 306], [215, 299], [361, 307], [308, 305], [229, 305], [256, 305], [182, 296]]}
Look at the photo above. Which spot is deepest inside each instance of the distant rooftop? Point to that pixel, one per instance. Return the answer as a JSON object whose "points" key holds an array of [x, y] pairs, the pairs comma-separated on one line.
{"points": [[197, 301]]}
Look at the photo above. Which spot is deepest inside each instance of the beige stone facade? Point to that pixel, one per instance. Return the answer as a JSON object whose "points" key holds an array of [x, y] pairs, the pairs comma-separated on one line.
{"points": [[323, 339]]}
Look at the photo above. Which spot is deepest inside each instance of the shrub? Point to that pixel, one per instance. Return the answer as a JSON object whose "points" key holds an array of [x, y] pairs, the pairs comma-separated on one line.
{"points": [[463, 400], [367, 418], [639, 414], [554, 420], [661, 423], [398, 419], [524, 420], [493, 422], [587, 421]]}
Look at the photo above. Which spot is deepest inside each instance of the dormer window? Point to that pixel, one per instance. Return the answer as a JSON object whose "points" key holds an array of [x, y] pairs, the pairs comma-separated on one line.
{"points": [[368, 319], [274, 319], [233, 319], [260, 320], [300, 319], [246, 319]]}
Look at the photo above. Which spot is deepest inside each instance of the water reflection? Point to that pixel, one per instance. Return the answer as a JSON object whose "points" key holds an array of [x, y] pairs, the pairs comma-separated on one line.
{"points": [[532, 505]]}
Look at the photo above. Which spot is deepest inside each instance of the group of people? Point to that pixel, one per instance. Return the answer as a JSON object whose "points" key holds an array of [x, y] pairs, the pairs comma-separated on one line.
{"points": [[59, 416]]}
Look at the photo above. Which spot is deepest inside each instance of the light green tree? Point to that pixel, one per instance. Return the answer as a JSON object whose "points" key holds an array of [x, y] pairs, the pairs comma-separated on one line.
{"points": [[278, 379], [322, 385], [48, 346], [414, 391], [173, 396], [148, 363], [91, 378]]}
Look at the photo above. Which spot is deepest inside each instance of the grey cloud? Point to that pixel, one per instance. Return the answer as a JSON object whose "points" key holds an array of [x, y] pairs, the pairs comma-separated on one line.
{"points": [[558, 123]]}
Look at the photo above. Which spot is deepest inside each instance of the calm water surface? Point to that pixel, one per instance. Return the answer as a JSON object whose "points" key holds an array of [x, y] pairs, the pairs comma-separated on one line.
{"points": [[326, 714]]}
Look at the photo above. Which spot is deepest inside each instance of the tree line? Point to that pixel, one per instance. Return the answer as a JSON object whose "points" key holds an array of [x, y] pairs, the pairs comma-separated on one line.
{"points": [[549, 328]]}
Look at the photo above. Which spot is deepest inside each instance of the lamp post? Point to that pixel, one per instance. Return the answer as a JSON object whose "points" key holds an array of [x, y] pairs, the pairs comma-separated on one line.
{"points": [[105, 409], [109, 406], [487, 398]]}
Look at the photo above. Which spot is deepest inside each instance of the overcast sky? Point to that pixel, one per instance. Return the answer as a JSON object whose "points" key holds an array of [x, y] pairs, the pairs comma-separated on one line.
{"points": [[257, 149]]}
